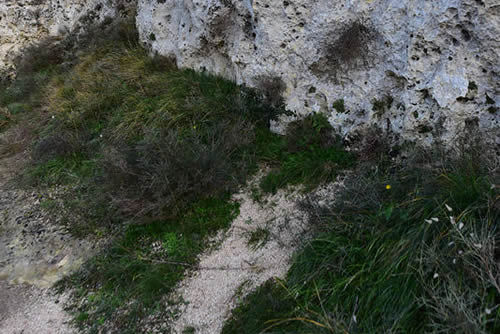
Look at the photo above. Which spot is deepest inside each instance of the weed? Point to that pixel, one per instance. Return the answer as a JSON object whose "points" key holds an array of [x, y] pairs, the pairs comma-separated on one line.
{"points": [[71, 169], [39, 57], [381, 106], [339, 106], [5, 118], [408, 247], [310, 154], [345, 48], [189, 330], [258, 238], [270, 301], [272, 89]]}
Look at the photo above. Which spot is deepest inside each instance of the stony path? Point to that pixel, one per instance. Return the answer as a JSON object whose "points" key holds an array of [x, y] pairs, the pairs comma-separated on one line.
{"points": [[212, 293]]}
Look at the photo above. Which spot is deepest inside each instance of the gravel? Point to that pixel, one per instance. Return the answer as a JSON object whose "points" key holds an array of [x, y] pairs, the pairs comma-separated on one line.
{"points": [[31, 310]]}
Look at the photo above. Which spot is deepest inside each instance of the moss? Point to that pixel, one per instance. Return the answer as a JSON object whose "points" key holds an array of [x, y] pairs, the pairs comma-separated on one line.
{"points": [[339, 105]]}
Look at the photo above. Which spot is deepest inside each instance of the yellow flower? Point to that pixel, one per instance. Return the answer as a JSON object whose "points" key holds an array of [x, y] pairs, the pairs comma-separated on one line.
{"points": [[388, 187]]}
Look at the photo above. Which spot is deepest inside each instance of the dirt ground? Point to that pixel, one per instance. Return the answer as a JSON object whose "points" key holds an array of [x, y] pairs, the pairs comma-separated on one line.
{"points": [[32, 257]]}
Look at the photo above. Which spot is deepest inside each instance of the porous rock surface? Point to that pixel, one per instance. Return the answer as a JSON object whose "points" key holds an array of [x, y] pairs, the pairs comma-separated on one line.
{"points": [[23, 22], [419, 69]]}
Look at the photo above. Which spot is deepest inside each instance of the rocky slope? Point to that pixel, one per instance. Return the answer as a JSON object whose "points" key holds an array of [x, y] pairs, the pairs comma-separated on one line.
{"points": [[26, 21], [421, 69]]}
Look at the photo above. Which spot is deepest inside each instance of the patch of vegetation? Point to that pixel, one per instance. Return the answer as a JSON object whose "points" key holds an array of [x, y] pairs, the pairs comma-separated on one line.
{"points": [[5, 118], [339, 106], [346, 49], [262, 311], [407, 247], [258, 237], [153, 137], [119, 287], [70, 169], [310, 154]]}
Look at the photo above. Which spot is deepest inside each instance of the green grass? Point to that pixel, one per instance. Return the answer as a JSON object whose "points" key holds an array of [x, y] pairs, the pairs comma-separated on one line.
{"points": [[378, 252], [310, 154], [142, 266], [62, 170], [269, 302]]}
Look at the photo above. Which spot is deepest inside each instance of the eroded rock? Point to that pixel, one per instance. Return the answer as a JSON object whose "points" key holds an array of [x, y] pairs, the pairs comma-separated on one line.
{"points": [[436, 60]]}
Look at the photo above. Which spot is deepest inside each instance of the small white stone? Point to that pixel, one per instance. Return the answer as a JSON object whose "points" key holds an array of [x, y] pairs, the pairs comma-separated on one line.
{"points": [[436, 275]]}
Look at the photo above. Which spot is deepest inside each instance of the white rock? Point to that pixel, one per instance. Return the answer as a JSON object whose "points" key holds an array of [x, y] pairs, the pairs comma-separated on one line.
{"points": [[437, 60], [26, 21]]}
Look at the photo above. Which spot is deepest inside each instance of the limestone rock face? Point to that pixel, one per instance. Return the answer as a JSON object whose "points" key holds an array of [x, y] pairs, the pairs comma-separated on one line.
{"points": [[419, 69], [25, 21]]}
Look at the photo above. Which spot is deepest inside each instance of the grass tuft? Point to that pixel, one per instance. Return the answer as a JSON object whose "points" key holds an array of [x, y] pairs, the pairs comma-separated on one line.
{"points": [[310, 154]]}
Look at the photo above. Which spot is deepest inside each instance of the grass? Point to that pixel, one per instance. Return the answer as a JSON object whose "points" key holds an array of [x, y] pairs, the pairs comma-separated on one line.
{"points": [[339, 106], [131, 276], [391, 256], [270, 301], [310, 154], [258, 237]]}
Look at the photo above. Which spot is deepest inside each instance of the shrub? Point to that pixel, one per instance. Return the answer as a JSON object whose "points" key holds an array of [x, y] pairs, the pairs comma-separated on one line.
{"points": [[339, 106], [172, 168], [345, 49], [272, 89]]}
